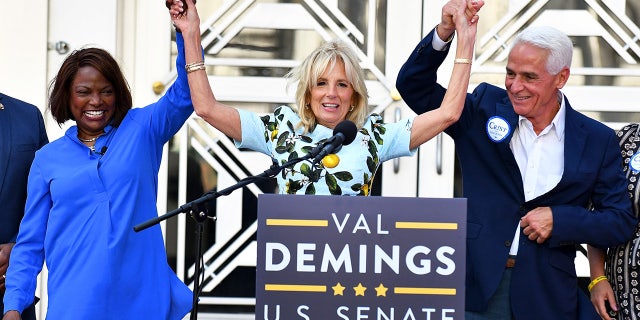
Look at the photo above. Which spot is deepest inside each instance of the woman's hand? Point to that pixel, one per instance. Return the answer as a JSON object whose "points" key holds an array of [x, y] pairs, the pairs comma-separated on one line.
{"points": [[466, 19], [5, 252], [601, 295], [184, 16], [453, 13], [12, 315]]}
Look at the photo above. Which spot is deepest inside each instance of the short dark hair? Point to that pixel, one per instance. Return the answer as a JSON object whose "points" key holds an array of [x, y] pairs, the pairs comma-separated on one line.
{"points": [[101, 60]]}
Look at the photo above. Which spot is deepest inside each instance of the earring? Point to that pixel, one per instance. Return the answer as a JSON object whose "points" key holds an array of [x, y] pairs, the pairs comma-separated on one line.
{"points": [[307, 106], [351, 109]]}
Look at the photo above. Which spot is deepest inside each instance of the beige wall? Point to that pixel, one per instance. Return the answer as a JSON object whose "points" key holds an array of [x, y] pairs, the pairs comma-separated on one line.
{"points": [[23, 40]]}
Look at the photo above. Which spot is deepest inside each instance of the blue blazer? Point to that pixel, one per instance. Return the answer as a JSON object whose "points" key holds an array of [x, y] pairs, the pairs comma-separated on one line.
{"points": [[22, 132], [544, 282]]}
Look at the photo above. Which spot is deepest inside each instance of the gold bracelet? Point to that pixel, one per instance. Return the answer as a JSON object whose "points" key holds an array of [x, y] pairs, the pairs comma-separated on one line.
{"points": [[462, 61], [194, 66], [595, 281]]}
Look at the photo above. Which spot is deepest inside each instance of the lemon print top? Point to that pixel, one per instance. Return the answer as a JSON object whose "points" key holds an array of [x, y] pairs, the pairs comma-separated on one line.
{"points": [[350, 171]]}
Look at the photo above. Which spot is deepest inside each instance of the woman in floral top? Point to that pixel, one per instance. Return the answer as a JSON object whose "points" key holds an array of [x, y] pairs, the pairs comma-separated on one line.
{"points": [[330, 89], [615, 286]]}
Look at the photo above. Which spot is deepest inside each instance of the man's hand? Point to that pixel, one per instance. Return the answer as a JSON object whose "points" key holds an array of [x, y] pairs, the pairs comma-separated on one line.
{"points": [[537, 224], [5, 252], [447, 24]]}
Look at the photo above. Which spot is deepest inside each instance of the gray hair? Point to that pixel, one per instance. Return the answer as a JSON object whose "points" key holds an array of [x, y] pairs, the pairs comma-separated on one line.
{"points": [[554, 41]]}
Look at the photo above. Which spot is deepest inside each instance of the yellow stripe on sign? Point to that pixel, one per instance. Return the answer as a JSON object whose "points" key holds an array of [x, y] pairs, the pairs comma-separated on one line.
{"points": [[295, 288], [426, 225], [297, 223], [433, 291]]}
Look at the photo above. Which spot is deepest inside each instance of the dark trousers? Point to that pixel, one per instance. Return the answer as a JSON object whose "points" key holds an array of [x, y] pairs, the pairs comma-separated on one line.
{"points": [[499, 305]]}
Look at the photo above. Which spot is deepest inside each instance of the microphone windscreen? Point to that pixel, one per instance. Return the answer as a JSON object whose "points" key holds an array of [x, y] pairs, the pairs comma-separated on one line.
{"points": [[348, 130]]}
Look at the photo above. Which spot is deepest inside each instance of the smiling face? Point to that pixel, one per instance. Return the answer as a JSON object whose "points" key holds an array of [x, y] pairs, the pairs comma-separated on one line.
{"points": [[331, 96], [92, 102], [533, 91]]}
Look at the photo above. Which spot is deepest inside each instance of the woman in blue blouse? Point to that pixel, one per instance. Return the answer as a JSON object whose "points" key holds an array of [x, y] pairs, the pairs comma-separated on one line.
{"points": [[330, 89], [88, 189]]}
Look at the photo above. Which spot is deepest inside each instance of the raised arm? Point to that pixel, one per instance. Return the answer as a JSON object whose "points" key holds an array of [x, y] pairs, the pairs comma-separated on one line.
{"points": [[427, 125], [221, 116]]}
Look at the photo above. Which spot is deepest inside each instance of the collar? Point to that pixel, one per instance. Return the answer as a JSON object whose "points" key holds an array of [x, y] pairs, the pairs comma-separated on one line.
{"points": [[556, 126], [73, 130]]}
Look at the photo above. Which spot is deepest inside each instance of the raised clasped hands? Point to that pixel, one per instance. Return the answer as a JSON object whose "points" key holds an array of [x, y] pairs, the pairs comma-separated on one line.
{"points": [[456, 15], [184, 15]]}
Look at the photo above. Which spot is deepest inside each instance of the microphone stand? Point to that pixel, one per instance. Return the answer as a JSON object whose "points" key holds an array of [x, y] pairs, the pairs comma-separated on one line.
{"points": [[196, 209]]}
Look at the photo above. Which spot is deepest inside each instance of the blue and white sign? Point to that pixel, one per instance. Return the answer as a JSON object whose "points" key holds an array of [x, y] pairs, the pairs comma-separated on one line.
{"points": [[332, 257]]}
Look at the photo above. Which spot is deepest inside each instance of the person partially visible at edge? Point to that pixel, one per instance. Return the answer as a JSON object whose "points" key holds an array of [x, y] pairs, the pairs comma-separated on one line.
{"points": [[22, 132], [86, 192], [615, 281], [330, 89], [532, 168]]}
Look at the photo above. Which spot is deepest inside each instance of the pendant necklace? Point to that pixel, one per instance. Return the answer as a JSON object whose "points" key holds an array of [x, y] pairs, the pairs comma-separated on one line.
{"points": [[92, 147], [88, 140]]}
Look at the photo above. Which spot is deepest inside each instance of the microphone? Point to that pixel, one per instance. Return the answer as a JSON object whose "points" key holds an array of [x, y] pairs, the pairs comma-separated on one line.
{"points": [[102, 151], [343, 134]]}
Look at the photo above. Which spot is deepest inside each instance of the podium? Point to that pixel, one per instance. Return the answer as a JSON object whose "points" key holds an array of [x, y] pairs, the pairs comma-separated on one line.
{"points": [[339, 257]]}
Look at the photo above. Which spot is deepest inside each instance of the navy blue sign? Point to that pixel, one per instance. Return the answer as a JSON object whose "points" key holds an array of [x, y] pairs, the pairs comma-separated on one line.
{"points": [[332, 257]]}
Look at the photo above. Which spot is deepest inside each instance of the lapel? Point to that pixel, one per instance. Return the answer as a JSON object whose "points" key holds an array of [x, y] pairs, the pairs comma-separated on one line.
{"points": [[505, 110], [5, 138], [575, 140]]}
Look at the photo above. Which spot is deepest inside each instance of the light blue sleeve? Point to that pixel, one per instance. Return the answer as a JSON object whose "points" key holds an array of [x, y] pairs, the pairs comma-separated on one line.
{"points": [[254, 133], [396, 137]]}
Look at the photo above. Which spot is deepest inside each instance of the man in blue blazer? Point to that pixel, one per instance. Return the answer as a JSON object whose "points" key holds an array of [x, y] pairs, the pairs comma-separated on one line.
{"points": [[539, 176], [22, 132]]}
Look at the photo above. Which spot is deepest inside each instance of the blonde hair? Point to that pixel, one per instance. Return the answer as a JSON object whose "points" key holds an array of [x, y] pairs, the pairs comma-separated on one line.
{"points": [[311, 69]]}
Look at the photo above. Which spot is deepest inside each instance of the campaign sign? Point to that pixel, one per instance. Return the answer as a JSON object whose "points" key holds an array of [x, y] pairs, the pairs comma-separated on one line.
{"points": [[386, 258]]}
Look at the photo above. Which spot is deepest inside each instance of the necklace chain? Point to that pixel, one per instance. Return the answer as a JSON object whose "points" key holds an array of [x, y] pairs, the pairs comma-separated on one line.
{"points": [[91, 147], [88, 140]]}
